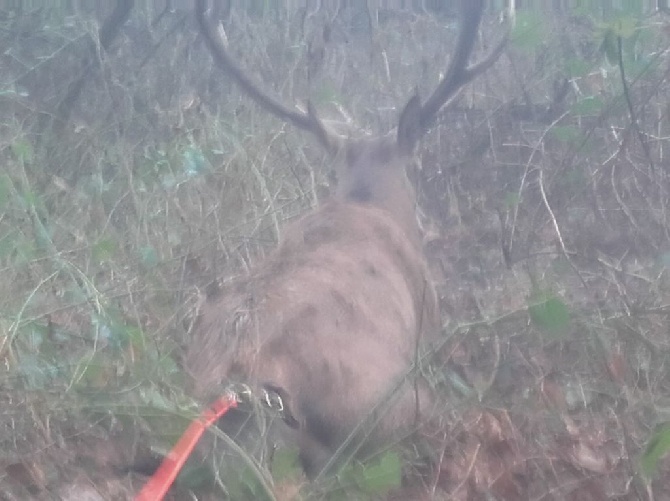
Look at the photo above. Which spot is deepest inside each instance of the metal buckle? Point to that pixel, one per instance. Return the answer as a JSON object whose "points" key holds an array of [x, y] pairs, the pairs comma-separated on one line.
{"points": [[240, 392], [273, 400]]}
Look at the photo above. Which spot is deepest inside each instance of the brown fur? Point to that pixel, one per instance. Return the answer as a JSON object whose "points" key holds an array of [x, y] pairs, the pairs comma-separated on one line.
{"points": [[332, 320], [334, 316]]}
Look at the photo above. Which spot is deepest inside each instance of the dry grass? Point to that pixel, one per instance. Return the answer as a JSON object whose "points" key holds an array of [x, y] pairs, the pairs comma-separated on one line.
{"points": [[546, 226]]}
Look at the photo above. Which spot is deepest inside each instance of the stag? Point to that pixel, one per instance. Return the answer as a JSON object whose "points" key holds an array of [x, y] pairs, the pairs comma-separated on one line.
{"points": [[331, 321]]}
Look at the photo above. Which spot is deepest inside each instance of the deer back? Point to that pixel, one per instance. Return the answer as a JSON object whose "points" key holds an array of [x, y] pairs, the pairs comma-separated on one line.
{"points": [[333, 318]]}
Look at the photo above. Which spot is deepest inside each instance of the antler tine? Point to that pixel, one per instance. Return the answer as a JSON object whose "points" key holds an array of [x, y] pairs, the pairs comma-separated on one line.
{"points": [[458, 73], [219, 50]]}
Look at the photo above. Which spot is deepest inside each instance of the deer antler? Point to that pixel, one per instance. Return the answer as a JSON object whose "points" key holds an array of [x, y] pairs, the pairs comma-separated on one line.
{"points": [[218, 46], [458, 73]]}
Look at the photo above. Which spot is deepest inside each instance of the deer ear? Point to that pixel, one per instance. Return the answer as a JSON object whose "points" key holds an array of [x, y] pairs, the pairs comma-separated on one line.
{"points": [[409, 126]]}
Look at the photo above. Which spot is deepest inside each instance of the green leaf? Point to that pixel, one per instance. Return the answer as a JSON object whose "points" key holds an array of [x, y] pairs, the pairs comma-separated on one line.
{"points": [[551, 314], [23, 151], [577, 67], [285, 464], [103, 249], [567, 133], [573, 179], [135, 335], [149, 256], [656, 449], [327, 93], [382, 476], [196, 477], [529, 31], [624, 27], [591, 105], [194, 161], [112, 327], [511, 199]]}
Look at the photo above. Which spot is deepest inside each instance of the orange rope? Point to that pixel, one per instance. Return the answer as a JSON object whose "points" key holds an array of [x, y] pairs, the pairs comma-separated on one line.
{"points": [[160, 482]]}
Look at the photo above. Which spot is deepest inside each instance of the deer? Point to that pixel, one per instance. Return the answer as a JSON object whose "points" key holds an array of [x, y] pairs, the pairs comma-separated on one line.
{"points": [[330, 322]]}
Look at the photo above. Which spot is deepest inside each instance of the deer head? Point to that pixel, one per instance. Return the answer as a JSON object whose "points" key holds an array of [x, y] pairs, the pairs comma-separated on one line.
{"points": [[332, 319]]}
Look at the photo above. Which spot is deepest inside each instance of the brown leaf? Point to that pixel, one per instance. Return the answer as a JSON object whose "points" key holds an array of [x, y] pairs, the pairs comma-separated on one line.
{"points": [[616, 367], [587, 458]]}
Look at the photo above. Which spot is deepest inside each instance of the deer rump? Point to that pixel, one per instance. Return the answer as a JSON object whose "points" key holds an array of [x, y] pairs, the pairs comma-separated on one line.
{"points": [[331, 320]]}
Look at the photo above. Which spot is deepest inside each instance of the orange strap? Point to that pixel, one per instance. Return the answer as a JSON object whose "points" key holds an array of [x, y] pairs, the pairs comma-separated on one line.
{"points": [[160, 482]]}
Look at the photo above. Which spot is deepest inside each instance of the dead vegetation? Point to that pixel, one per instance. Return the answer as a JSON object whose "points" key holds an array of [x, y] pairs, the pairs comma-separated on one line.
{"points": [[543, 199]]}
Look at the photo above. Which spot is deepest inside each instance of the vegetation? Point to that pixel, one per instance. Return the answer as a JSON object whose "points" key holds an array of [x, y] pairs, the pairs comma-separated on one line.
{"points": [[135, 177]]}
